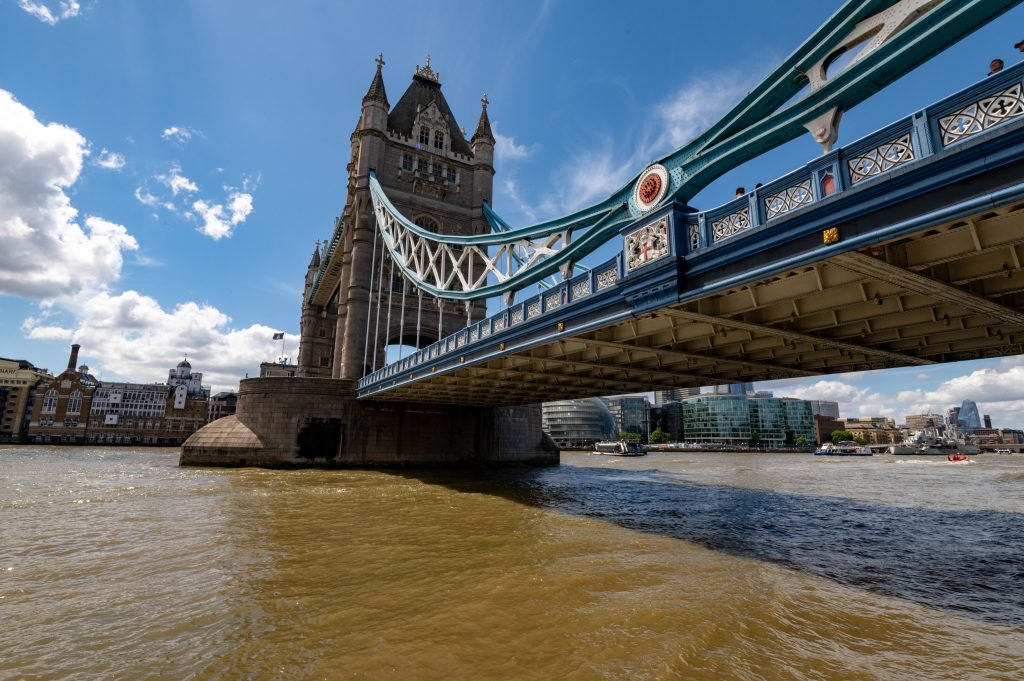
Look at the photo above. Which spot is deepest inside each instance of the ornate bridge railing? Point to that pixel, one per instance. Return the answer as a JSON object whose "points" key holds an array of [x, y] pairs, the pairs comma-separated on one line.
{"points": [[983, 110]]}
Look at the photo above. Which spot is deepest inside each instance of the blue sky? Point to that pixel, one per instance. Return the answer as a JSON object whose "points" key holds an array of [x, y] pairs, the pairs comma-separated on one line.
{"points": [[165, 168]]}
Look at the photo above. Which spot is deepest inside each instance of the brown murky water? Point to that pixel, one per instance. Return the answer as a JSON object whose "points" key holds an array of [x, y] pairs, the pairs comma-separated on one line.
{"points": [[117, 564]]}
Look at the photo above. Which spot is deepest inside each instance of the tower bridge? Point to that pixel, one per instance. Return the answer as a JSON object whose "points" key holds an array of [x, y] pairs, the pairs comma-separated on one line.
{"points": [[902, 248]]}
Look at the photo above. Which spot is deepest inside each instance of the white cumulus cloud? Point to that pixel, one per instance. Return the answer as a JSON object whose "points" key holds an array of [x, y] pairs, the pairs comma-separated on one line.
{"points": [[46, 252], [219, 222], [132, 336], [109, 160], [65, 9]]}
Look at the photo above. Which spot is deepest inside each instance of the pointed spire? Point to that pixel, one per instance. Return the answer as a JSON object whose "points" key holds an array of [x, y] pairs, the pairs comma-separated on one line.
{"points": [[483, 126], [315, 261], [376, 92]]}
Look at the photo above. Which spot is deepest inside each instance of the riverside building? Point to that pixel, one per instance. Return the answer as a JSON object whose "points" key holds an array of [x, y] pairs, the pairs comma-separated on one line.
{"points": [[19, 380], [76, 408], [577, 424], [737, 420], [631, 415]]}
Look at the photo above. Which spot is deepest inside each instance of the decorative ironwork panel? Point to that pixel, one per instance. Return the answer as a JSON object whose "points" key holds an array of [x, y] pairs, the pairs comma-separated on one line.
{"points": [[581, 289], [788, 199], [881, 159], [694, 237], [485, 331], [607, 278], [473, 335], [517, 315], [553, 300], [647, 244], [533, 309], [734, 223], [499, 323], [982, 115]]}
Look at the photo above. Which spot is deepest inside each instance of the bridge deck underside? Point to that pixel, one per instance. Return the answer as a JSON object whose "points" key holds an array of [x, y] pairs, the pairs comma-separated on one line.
{"points": [[949, 293]]}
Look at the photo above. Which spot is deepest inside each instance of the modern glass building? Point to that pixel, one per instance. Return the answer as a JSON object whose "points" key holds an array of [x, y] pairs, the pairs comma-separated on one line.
{"points": [[577, 424], [800, 419], [968, 418], [768, 421], [630, 414], [717, 419], [730, 420]]}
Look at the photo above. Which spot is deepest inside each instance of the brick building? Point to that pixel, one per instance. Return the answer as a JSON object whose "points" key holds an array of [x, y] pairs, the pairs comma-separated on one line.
{"points": [[76, 408], [19, 380]]}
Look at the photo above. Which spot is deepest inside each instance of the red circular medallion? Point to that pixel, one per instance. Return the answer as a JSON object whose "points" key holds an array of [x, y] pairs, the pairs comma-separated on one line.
{"points": [[649, 188]]}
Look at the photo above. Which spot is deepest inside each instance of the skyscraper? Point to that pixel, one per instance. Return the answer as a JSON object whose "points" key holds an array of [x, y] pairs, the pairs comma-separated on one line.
{"points": [[968, 417]]}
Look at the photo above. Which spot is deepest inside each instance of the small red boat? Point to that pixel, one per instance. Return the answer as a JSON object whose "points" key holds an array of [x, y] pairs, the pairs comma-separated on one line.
{"points": [[958, 457]]}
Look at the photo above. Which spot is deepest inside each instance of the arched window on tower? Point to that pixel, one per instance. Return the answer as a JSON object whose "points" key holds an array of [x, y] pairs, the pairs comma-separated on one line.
{"points": [[75, 402], [49, 402], [438, 139], [424, 135], [427, 222]]}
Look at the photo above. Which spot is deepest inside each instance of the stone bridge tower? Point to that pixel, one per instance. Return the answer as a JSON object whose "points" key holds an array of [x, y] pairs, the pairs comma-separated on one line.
{"points": [[438, 179], [435, 177]]}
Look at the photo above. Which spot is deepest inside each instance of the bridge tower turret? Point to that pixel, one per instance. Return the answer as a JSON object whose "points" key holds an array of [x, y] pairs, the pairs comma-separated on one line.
{"points": [[483, 152], [316, 327], [436, 178]]}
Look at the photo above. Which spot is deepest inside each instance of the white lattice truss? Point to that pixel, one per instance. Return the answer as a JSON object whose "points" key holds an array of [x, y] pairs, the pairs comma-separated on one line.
{"points": [[455, 267], [443, 265]]}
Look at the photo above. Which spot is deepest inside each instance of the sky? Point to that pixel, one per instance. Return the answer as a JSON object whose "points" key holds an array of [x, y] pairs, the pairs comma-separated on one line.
{"points": [[166, 168]]}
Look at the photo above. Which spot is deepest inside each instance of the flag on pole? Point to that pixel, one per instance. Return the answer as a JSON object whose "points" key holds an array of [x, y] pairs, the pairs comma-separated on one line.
{"points": [[278, 336]]}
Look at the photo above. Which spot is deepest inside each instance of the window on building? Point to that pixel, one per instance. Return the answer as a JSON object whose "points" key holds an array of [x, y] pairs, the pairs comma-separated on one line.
{"points": [[325, 361], [424, 135], [438, 139], [421, 165], [49, 402], [427, 222], [322, 332], [435, 169], [450, 173], [406, 162], [75, 402]]}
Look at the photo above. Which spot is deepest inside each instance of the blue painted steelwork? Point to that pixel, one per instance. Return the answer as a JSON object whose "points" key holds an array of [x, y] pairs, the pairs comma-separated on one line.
{"points": [[947, 149], [893, 38]]}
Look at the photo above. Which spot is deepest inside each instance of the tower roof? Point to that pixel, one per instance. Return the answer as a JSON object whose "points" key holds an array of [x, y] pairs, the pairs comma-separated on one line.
{"points": [[376, 93], [483, 126], [424, 90]]}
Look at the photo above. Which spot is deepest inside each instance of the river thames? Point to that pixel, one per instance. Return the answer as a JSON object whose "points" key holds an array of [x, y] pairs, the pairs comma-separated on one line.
{"points": [[118, 564]]}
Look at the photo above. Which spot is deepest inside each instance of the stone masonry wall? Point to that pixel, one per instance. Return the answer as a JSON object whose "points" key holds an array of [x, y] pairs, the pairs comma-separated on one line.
{"points": [[296, 422]]}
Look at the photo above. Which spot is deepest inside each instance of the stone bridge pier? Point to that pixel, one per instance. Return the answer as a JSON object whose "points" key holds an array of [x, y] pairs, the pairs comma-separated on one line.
{"points": [[286, 422]]}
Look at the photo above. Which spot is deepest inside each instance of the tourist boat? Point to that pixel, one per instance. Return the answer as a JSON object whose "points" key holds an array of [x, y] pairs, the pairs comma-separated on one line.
{"points": [[957, 457], [844, 448], [1003, 451], [619, 448]]}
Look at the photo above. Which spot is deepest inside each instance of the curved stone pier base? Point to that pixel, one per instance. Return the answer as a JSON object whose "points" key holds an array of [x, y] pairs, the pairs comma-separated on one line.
{"points": [[299, 422]]}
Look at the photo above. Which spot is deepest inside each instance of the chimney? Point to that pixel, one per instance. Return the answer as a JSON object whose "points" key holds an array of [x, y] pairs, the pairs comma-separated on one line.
{"points": [[74, 357]]}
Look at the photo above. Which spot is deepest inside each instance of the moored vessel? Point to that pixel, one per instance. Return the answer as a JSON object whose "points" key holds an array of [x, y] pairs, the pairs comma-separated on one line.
{"points": [[619, 448], [844, 448]]}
